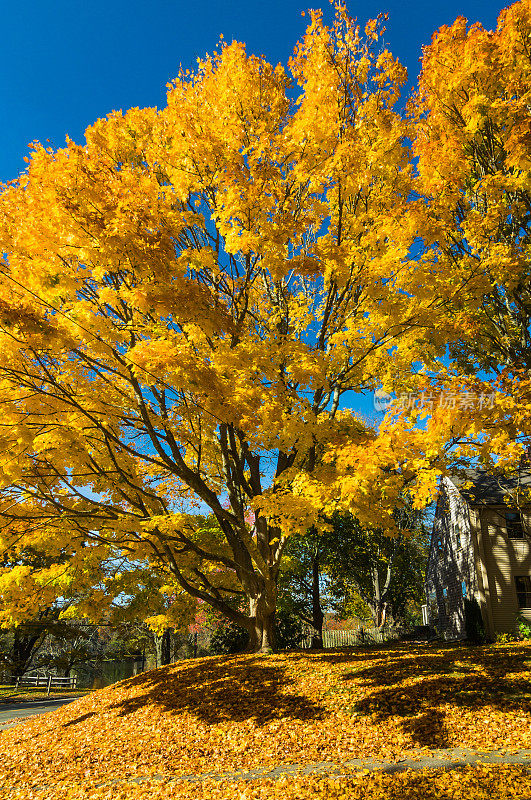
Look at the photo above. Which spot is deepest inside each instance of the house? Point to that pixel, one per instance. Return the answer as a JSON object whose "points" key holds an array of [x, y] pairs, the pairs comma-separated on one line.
{"points": [[478, 577]]}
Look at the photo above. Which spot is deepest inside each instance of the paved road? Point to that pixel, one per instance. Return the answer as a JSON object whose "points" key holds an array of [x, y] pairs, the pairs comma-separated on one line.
{"points": [[13, 711]]}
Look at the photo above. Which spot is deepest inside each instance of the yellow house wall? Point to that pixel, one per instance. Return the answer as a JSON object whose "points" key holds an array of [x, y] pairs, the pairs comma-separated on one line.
{"points": [[504, 558]]}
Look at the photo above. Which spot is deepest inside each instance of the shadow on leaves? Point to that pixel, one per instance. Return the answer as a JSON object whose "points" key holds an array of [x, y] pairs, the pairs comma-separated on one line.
{"points": [[467, 679], [77, 720], [228, 690]]}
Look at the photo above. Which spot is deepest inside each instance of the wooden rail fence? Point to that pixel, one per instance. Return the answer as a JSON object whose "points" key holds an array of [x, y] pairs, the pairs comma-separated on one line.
{"points": [[46, 681]]}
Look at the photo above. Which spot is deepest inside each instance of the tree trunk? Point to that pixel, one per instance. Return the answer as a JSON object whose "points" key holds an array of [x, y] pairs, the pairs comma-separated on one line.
{"points": [[162, 648], [317, 611], [379, 612], [165, 654], [377, 594], [380, 616], [261, 625], [157, 641], [382, 595]]}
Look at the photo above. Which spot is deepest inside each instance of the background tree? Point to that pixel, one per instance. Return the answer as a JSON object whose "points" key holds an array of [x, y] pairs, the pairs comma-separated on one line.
{"points": [[355, 571], [25, 633], [303, 579], [386, 573], [20, 646], [185, 299], [71, 645]]}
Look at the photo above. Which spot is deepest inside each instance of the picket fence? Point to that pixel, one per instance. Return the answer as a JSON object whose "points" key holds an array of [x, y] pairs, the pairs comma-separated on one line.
{"points": [[359, 636]]}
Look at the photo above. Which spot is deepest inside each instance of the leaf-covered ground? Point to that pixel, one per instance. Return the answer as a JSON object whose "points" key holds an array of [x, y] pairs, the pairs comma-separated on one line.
{"points": [[237, 713], [473, 783]]}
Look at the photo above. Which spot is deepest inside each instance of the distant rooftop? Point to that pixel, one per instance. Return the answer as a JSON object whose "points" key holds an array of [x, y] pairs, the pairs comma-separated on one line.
{"points": [[491, 488]]}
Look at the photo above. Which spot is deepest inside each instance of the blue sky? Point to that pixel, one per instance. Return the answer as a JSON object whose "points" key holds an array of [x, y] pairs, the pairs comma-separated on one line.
{"points": [[67, 62]]}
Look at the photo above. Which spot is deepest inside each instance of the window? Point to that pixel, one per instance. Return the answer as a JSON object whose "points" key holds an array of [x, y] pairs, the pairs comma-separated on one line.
{"points": [[513, 523], [463, 588], [523, 590], [457, 534]]}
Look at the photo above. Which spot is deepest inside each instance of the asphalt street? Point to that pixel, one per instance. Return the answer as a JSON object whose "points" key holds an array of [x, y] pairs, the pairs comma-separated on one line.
{"points": [[15, 711]]}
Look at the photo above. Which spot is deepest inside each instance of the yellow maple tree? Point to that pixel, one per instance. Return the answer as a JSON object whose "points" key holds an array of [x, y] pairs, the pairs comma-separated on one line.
{"points": [[185, 299]]}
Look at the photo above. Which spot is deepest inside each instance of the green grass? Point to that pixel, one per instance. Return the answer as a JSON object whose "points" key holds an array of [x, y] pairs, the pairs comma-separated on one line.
{"points": [[9, 694]]}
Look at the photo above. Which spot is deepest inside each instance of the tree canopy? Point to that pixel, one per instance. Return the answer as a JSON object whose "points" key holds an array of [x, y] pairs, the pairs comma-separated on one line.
{"points": [[184, 301]]}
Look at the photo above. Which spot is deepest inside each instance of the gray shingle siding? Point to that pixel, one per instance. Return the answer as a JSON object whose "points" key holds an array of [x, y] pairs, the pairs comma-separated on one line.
{"points": [[451, 571]]}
